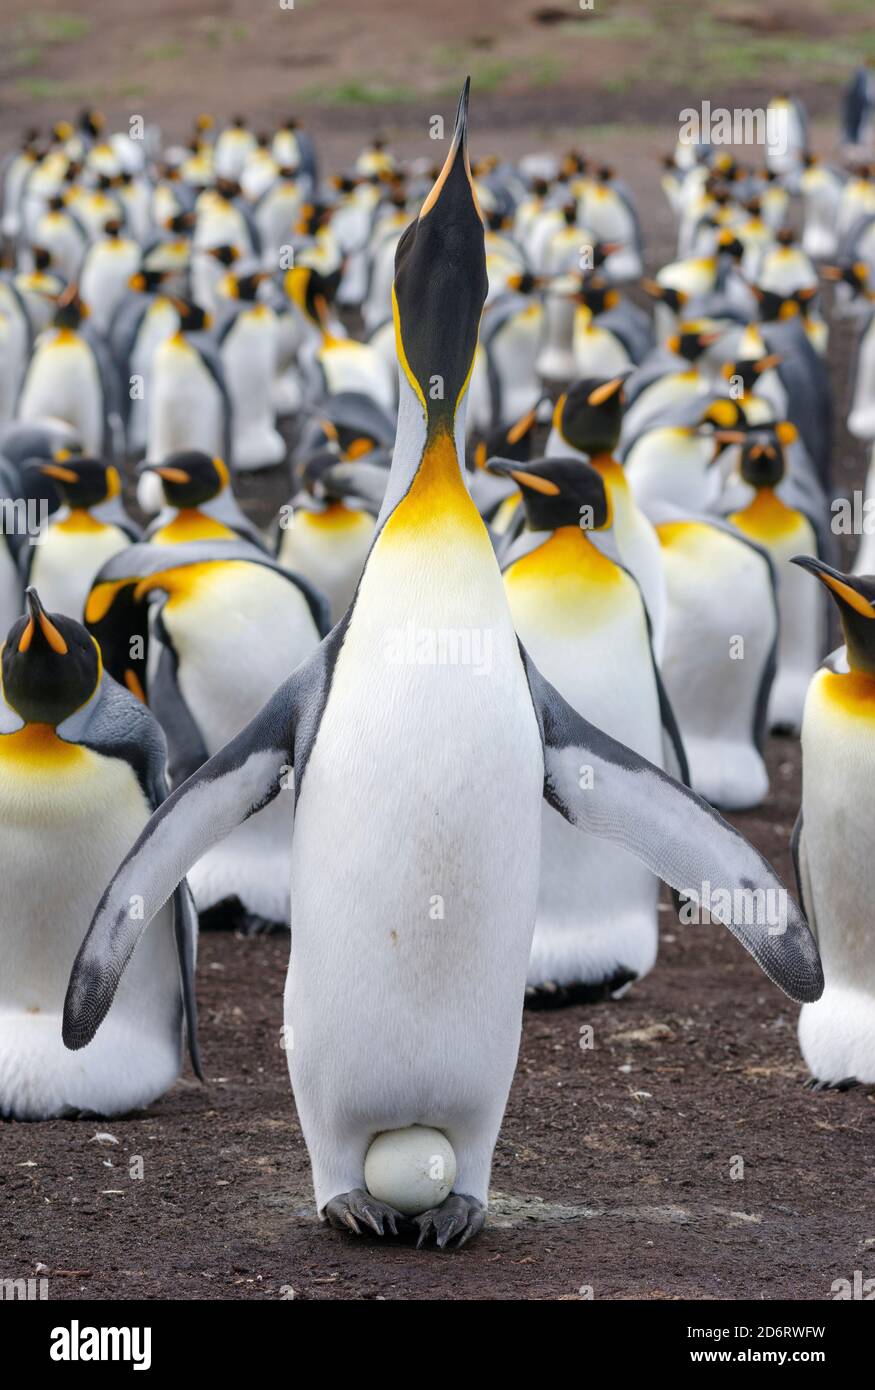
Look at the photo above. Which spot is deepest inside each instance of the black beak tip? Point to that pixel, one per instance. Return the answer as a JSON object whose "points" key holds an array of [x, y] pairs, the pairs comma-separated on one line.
{"points": [[34, 607], [460, 134]]}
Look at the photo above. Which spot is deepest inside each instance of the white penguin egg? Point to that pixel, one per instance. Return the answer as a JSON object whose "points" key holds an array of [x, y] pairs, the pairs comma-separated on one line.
{"points": [[411, 1169]]}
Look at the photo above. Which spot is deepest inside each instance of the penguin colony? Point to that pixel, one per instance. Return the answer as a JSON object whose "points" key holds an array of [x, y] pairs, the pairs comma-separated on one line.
{"points": [[483, 694]]}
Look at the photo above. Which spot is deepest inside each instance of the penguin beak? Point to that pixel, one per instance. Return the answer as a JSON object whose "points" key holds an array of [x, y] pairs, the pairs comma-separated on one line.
{"points": [[60, 474], [842, 586], [522, 427], [39, 621], [766, 363], [440, 287], [604, 392], [504, 468], [458, 151], [165, 471]]}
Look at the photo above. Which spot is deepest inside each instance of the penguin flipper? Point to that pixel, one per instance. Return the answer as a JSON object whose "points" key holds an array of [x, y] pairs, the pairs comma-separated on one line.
{"points": [[675, 833], [185, 932], [235, 783], [800, 869]]}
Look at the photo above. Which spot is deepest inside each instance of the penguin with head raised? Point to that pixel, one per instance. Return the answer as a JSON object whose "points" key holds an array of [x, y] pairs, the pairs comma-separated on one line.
{"points": [[784, 531], [832, 846], [81, 771], [70, 377], [90, 527], [421, 713], [582, 618], [199, 503]]}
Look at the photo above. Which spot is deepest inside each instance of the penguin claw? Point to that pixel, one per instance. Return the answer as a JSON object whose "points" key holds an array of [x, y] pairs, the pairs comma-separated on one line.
{"points": [[457, 1216], [345, 1211], [847, 1083]]}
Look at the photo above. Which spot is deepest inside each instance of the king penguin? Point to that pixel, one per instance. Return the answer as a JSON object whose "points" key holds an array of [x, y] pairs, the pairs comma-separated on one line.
{"points": [[81, 771], [832, 842], [582, 618], [587, 422], [783, 531], [189, 405], [90, 528], [325, 534], [407, 1011], [221, 626], [69, 377], [199, 502]]}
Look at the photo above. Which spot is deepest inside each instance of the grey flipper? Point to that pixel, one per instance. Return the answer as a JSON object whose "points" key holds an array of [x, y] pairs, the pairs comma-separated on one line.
{"points": [[800, 869], [186, 751], [245, 775], [675, 833], [116, 725]]}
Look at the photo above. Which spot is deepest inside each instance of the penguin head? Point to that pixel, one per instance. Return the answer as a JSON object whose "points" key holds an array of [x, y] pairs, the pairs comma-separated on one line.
{"points": [[69, 309], [147, 280], [440, 286], [854, 274], [51, 666], [312, 292], [691, 340], [190, 478], [748, 369], [671, 298], [854, 596], [83, 482], [226, 255], [762, 456], [589, 415], [558, 492], [244, 287], [192, 318], [595, 293], [510, 442]]}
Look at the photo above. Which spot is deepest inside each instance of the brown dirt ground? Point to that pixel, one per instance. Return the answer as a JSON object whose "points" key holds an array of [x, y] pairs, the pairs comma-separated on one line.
{"points": [[613, 1165]]}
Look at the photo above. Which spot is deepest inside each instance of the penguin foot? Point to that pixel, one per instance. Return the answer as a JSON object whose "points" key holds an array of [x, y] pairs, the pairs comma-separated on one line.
{"points": [[846, 1084], [347, 1210], [457, 1218], [549, 995]]}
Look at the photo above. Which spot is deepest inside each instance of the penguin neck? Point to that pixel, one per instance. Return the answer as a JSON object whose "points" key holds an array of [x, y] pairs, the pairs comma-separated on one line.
{"points": [[437, 500]]}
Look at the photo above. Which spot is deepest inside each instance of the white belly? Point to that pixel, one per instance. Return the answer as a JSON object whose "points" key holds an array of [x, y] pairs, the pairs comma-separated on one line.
{"points": [[596, 904], [718, 592], [63, 381], [65, 564], [65, 829], [331, 557], [837, 1034], [414, 869]]}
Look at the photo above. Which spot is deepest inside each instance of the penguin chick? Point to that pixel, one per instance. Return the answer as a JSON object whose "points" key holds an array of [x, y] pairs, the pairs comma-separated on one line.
{"points": [[81, 771], [832, 849]]}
